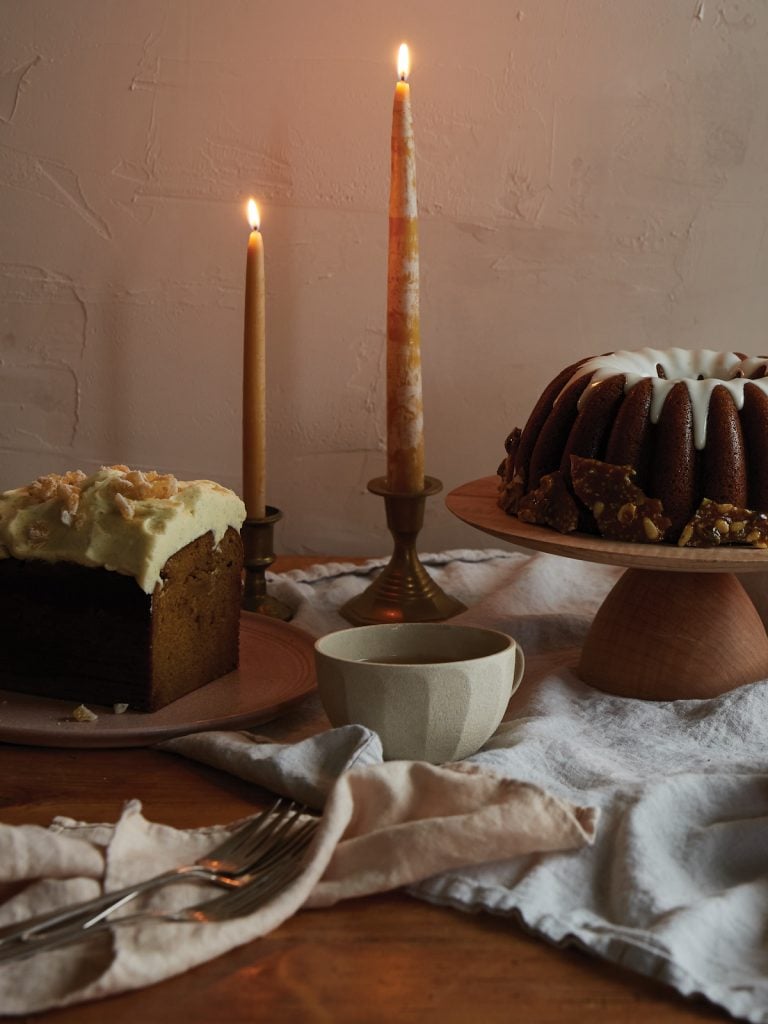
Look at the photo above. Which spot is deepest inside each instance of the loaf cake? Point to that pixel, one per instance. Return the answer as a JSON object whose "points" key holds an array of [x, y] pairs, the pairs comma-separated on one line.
{"points": [[119, 588], [646, 446]]}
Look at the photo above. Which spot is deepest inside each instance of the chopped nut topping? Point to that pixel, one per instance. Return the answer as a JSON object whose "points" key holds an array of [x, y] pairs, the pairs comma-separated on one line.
{"points": [[44, 488], [64, 486], [621, 509], [138, 486], [124, 506], [626, 513], [715, 523], [551, 504], [512, 485], [69, 496], [132, 485], [650, 529]]}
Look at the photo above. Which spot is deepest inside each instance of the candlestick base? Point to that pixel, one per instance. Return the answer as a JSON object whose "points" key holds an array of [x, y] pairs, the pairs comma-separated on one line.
{"points": [[403, 591], [259, 554]]}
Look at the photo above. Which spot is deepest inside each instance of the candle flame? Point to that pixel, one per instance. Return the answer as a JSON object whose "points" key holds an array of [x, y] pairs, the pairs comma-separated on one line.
{"points": [[403, 62], [253, 215]]}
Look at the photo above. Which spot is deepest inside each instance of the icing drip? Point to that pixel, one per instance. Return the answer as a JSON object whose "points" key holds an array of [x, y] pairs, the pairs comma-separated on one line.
{"points": [[701, 371]]}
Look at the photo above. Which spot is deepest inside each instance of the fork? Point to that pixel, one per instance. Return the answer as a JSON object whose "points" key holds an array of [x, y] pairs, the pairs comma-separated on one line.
{"points": [[286, 863], [230, 863]]}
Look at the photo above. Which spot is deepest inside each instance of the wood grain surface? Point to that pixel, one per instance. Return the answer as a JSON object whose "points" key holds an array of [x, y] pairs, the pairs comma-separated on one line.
{"points": [[383, 959]]}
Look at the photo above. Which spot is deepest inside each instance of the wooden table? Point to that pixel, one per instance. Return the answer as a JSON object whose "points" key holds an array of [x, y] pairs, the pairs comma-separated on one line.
{"points": [[383, 959]]}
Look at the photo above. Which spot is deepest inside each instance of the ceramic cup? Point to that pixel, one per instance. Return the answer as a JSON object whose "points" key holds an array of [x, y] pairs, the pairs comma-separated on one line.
{"points": [[433, 692]]}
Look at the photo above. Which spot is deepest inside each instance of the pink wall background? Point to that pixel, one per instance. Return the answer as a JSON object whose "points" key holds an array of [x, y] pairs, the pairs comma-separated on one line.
{"points": [[592, 175]]}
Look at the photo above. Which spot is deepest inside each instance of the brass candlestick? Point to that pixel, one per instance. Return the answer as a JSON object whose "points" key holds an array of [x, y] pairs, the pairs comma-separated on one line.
{"points": [[259, 554], [403, 591]]}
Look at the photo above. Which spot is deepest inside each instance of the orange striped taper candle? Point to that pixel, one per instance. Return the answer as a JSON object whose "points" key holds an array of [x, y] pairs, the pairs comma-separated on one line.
{"points": [[405, 419]]}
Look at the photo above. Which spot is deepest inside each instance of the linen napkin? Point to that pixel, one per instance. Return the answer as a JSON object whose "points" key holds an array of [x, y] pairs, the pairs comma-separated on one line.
{"points": [[383, 826]]}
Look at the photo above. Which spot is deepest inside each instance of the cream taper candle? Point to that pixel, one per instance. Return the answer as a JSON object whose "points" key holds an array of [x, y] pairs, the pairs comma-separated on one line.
{"points": [[254, 378], [405, 420]]}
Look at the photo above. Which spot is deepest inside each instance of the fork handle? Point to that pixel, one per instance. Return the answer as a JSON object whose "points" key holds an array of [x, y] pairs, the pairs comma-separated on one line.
{"points": [[64, 935], [244, 900], [90, 912]]}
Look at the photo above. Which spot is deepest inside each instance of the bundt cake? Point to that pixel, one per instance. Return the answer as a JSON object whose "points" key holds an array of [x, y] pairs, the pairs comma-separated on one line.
{"points": [[662, 431]]}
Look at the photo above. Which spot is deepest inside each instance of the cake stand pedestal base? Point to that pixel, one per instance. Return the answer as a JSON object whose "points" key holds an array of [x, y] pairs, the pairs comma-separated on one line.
{"points": [[673, 635]]}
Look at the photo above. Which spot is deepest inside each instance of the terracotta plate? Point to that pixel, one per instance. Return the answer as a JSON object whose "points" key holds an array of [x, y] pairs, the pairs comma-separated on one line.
{"points": [[276, 672]]}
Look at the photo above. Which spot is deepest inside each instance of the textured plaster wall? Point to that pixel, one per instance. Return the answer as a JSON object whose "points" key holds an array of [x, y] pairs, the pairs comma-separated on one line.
{"points": [[593, 174]]}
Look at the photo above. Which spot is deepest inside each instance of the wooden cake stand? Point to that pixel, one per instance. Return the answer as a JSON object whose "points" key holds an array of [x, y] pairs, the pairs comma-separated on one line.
{"points": [[678, 624]]}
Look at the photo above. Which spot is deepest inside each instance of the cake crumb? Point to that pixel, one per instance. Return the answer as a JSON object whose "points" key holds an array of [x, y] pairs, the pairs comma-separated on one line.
{"points": [[84, 714], [119, 709]]}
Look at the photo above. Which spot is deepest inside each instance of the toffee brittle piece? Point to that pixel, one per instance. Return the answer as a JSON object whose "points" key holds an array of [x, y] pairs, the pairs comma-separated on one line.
{"points": [[715, 523], [551, 504], [512, 485], [621, 509]]}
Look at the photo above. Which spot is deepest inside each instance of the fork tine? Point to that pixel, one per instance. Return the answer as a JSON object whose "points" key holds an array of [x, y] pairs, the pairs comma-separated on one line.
{"points": [[241, 839], [255, 894], [261, 843], [299, 839], [285, 869], [279, 879], [253, 899], [286, 863]]}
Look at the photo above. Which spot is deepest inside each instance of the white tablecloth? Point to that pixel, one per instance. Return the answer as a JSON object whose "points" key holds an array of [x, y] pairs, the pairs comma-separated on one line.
{"points": [[676, 884]]}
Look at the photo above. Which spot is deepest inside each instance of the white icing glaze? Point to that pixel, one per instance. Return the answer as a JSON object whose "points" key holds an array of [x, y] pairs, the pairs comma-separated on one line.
{"points": [[679, 365]]}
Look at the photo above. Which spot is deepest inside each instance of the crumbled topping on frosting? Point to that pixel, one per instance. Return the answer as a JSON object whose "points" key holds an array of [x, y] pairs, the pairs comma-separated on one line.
{"points": [[138, 486], [126, 487]]}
